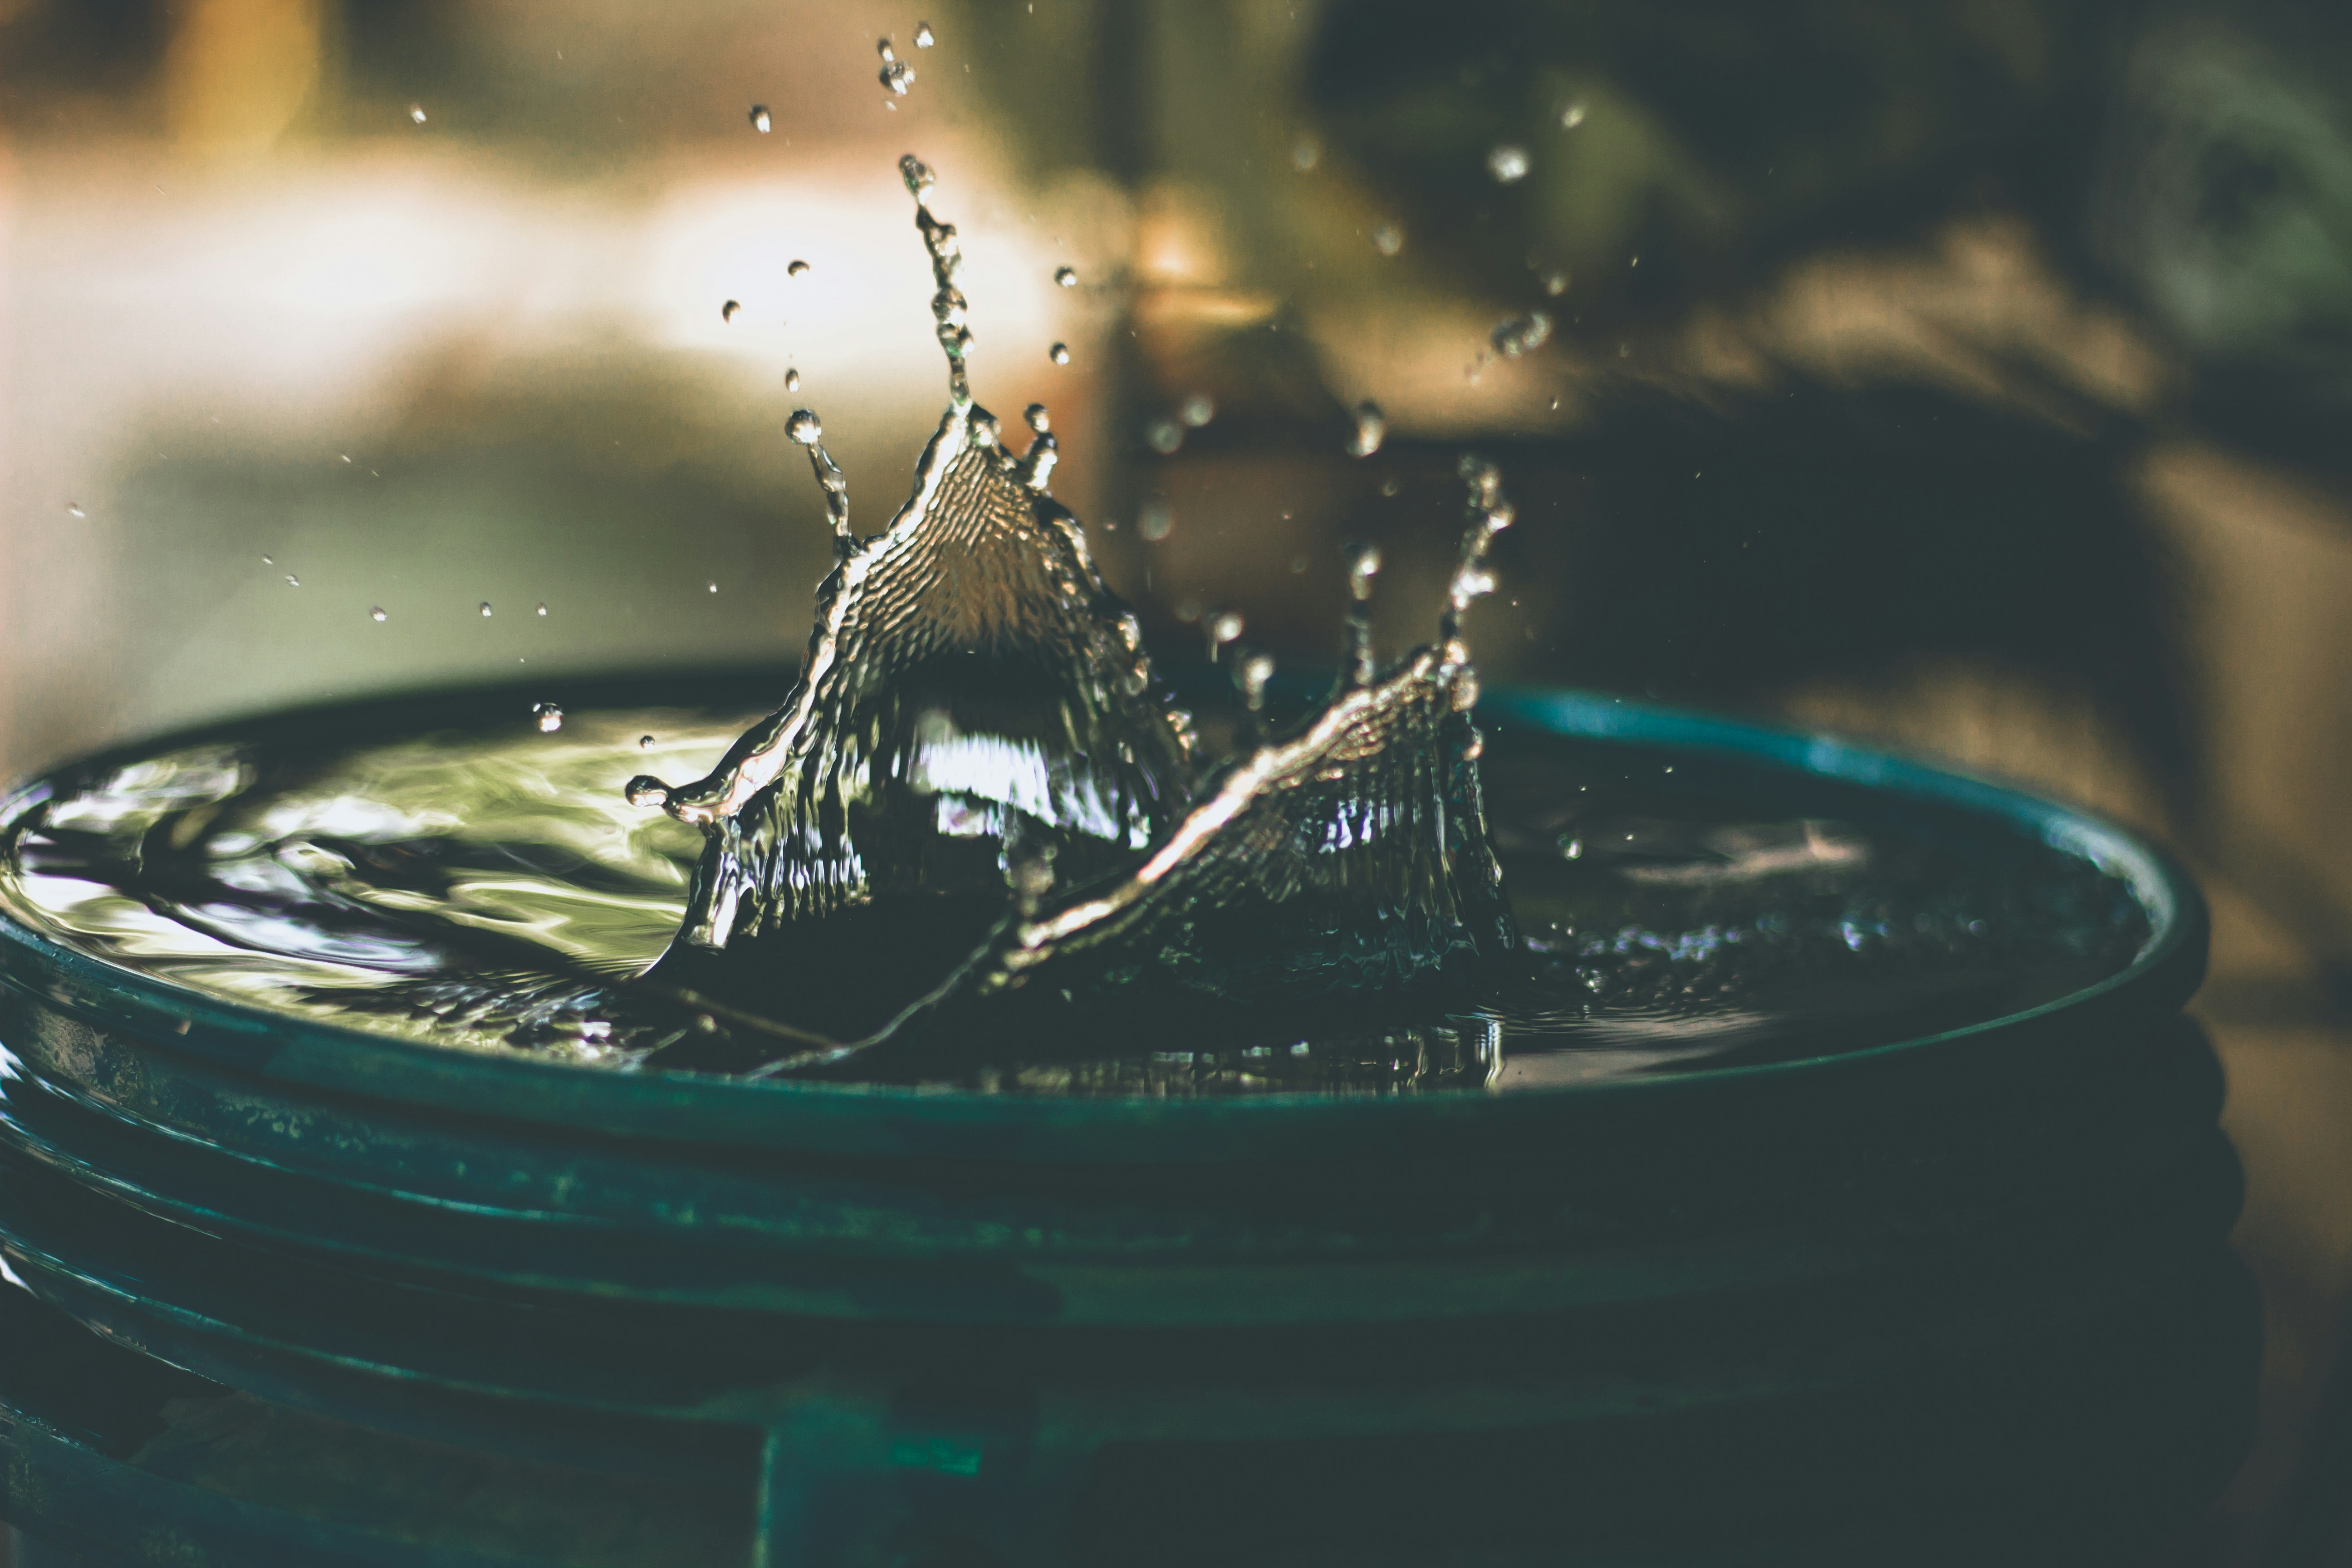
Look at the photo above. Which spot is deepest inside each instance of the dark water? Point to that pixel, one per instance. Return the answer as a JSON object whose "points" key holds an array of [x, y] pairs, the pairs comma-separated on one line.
{"points": [[485, 888]]}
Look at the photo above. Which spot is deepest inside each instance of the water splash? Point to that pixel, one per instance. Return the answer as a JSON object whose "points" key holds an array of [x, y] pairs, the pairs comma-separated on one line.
{"points": [[1334, 870], [975, 777], [969, 682]]}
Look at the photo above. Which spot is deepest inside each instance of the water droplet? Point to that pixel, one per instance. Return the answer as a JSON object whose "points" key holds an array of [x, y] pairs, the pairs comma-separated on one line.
{"points": [[1372, 429], [1388, 240], [292, 581], [1363, 566], [377, 613], [759, 120], [1522, 333], [417, 114], [1059, 353], [1572, 116], [923, 39], [550, 717], [1164, 435], [1188, 610], [714, 587], [1068, 276], [797, 270], [792, 381], [1574, 848], [726, 311], [646, 790], [1388, 487], [1508, 163], [1037, 418], [542, 609], [1154, 520], [1305, 154], [486, 610], [1198, 410], [1223, 627], [1556, 283], [917, 175], [1634, 261], [73, 509], [645, 742], [898, 76], [805, 427], [270, 560]]}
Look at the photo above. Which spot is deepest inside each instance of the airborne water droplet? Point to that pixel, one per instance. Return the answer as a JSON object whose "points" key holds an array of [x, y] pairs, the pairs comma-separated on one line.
{"points": [[1372, 429], [805, 427], [1059, 353], [726, 311], [645, 742], [1522, 333], [759, 120], [1305, 154], [1198, 410], [1388, 240], [1164, 435], [797, 270], [1223, 627], [1508, 163], [486, 610], [550, 717], [292, 581], [417, 114], [897, 75], [377, 613], [542, 609], [1037, 418], [1572, 116], [792, 381], [1154, 520], [1068, 276], [714, 587], [1556, 283], [917, 175], [73, 509], [923, 39]]}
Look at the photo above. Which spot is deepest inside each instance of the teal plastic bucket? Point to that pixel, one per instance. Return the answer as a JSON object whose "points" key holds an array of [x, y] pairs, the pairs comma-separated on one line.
{"points": [[1960, 1290]]}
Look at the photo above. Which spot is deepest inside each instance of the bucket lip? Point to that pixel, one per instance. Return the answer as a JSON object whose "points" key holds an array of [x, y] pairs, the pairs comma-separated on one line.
{"points": [[852, 1118]]}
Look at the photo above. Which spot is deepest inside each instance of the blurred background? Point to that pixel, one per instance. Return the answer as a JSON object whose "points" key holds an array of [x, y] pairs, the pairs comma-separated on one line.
{"points": [[1974, 375]]}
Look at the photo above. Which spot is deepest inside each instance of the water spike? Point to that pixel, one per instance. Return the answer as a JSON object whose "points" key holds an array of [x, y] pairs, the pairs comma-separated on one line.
{"points": [[1357, 666], [948, 307], [806, 430], [1490, 512]]}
